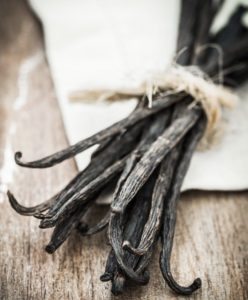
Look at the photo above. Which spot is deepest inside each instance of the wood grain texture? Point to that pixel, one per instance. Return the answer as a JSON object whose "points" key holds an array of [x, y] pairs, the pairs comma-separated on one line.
{"points": [[211, 233]]}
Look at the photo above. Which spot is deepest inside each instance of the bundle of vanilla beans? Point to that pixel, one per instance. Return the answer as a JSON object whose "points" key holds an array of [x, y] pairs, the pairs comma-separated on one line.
{"points": [[146, 157]]}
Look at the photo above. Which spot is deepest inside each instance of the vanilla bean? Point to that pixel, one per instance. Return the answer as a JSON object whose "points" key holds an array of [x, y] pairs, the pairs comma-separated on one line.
{"points": [[115, 226], [138, 264], [169, 217], [156, 128], [150, 134], [158, 150], [160, 191], [114, 151], [99, 137], [64, 228], [205, 17], [111, 267], [152, 227], [135, 218], [29, 211], [87, 192], [225, 40], [186, 32], [233, 31]]}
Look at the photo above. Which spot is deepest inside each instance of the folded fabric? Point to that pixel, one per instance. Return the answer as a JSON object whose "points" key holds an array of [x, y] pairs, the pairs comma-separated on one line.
{"points": [[114, 44]]}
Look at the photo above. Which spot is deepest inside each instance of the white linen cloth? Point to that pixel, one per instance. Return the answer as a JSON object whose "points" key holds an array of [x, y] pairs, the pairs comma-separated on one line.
{"points": [[117, 44]]}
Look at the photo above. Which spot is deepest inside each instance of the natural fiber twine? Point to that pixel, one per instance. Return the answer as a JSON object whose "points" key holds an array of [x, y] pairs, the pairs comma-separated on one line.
{"points": [[190, 80]]}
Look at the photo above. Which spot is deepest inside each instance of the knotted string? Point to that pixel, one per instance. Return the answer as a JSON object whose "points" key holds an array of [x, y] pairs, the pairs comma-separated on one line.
{"points": [[176, 79]]}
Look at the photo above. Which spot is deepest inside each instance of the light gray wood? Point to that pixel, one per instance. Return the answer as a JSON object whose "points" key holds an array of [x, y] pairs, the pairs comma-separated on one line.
{"points": [[211, 234]]}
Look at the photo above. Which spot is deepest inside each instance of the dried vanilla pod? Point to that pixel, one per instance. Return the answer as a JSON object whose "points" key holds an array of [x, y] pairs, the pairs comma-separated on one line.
{"points": [[147, 156], [64, 228], [150, 160], [169, 218], [130, 226], [87, 192], [113, 130], [30, 211], [100, 161], [153, 224]]}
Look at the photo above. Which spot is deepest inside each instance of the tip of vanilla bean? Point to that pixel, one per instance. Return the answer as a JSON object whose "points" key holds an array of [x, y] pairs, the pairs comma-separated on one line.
{"points": [[50, 248]]}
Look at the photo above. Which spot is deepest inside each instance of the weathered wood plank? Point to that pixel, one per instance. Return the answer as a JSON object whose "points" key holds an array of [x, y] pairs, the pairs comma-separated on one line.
{"points": [[211, 234]]}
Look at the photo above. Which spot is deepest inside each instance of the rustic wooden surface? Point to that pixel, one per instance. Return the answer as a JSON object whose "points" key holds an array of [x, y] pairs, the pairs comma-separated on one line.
{"points": [[211, 234]]}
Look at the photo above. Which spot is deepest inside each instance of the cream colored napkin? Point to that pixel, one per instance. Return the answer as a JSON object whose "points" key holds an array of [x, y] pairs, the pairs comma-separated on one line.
{"points": [[117, 44]]}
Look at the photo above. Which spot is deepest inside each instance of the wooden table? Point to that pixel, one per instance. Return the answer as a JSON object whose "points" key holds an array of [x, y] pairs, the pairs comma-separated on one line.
{"points": [[211, 234]]}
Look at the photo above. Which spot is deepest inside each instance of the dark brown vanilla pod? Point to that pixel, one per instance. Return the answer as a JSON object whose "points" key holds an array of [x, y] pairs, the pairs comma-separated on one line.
{"points": [[169, 217], [153, 224], [30, 211], [116, 149], [83, 195], [64, 228], [130, 226], [99, 137], [160, 191], [158, 150], [146, 155], [110, 268]]}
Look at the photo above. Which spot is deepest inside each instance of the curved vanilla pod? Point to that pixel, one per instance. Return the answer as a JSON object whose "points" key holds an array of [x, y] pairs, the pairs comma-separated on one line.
{"points": [[116, 242], [29, 211], [64, 228], [135, 218], [98, 164], [118, 148], [87, 192], [150, 134], [99, 137], [130, 225], [169, 217], [150, 160], [113, 150], [160, 191], [111, 265], [113, 271]]}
